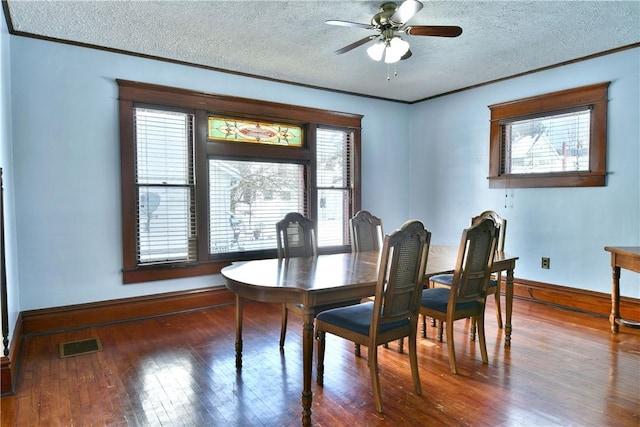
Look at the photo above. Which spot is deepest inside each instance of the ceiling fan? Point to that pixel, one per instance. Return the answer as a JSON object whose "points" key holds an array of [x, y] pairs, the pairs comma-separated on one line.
{"points": [[389, 22]]}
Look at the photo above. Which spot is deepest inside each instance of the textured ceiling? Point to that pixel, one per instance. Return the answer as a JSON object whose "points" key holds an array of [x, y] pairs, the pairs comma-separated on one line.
{"points": [[290, 41]]}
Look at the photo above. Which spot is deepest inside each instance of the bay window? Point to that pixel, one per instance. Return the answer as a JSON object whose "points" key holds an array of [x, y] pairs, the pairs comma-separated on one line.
{"points": [[205, 178]]}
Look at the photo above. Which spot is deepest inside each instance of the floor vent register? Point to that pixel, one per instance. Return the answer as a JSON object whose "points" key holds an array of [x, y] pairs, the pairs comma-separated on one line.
{"points": [[76, 348]]}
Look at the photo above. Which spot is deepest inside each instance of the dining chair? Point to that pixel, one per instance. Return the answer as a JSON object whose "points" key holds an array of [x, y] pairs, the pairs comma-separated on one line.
{"points": [[494, 282], [393, 314], [296, 237], [467, 294], [366, 236], [366, 232]]}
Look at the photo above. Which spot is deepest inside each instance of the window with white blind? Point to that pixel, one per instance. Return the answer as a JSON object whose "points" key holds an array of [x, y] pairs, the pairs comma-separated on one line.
{"points": [[551, 140], [333, 155], [205, 178], [165, 184], [552, 143], [247, 198]]}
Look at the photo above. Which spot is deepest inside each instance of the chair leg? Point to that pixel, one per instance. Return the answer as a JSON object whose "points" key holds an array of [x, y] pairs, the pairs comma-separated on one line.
{"points": [[356, 350], [472, 329], [498, 315], [401, 345], [481, 337], [498, 309], [375, 379], [424, 326], [440, 326], [451, 347], [283, 327], [413, 358], [321, 335]]}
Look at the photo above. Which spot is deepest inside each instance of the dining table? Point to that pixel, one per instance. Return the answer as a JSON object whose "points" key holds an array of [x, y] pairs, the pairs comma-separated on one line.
{"points": [[329, 279]]}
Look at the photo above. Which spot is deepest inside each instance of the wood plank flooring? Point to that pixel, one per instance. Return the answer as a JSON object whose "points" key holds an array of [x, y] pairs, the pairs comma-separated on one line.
{"points": [[563, 369]]}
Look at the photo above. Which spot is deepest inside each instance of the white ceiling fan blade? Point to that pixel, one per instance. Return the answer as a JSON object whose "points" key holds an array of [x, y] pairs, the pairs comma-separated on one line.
{"points": [[349, 24], [406, 11]]}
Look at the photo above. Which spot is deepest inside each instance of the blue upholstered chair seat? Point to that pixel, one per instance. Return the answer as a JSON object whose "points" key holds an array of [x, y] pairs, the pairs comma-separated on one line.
{"points": [[447, 279], [438, 299], [356, 318], [443, 279]]}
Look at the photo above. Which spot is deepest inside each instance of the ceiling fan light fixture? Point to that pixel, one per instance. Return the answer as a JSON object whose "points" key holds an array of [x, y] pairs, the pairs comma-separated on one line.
{"points": [[376, 50], [395, 50], [391, 20]]}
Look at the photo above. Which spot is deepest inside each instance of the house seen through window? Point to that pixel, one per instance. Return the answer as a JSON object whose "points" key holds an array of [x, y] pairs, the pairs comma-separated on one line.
{"points": [[558, 143], [557, 139]]}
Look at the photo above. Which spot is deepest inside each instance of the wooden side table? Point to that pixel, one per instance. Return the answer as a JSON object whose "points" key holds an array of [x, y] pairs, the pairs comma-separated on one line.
{"points": [[627, 257]]}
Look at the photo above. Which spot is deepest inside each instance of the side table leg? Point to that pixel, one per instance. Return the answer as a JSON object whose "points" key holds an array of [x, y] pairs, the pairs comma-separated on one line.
{"points": [[615, 299], [239, 307], [509, 300]]}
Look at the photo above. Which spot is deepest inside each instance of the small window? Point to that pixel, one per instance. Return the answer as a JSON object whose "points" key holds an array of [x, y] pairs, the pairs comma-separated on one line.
{"points": [[551, 140]]}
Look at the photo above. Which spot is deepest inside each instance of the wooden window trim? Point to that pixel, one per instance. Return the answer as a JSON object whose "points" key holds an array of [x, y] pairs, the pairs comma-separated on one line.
{"points": [[593, 96], [132, 93]]}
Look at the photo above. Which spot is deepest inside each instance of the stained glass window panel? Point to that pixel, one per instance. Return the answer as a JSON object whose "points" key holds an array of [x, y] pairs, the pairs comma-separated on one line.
{"points": [[251, 131]]}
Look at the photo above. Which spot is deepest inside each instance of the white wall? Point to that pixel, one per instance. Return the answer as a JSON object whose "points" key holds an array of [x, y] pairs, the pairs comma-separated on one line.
{"points": [[450, 163], [6, 162], [67, 167]]}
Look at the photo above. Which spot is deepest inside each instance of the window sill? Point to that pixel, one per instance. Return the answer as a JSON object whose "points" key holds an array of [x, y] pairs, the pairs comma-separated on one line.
{"points": [[164, 272], [583, 179]]}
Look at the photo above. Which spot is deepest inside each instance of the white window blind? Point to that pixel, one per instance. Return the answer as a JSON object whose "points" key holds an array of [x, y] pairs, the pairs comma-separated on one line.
{"points": [[247, 198], [557, 143], [165, 186], [333, 154]]}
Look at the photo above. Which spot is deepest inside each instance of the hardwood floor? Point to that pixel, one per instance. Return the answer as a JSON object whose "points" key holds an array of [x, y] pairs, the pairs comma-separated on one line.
{"points": [[564, 368]]}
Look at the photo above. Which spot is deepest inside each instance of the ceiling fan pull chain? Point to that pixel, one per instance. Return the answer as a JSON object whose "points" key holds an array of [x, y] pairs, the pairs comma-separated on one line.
{"points": [[395, 71]]}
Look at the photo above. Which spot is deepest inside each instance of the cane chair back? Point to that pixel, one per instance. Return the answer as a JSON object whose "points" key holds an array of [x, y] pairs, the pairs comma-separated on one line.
{"points": [[394, 312], [466, 296], [494, 283], [366, 232], [296, 236]]}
